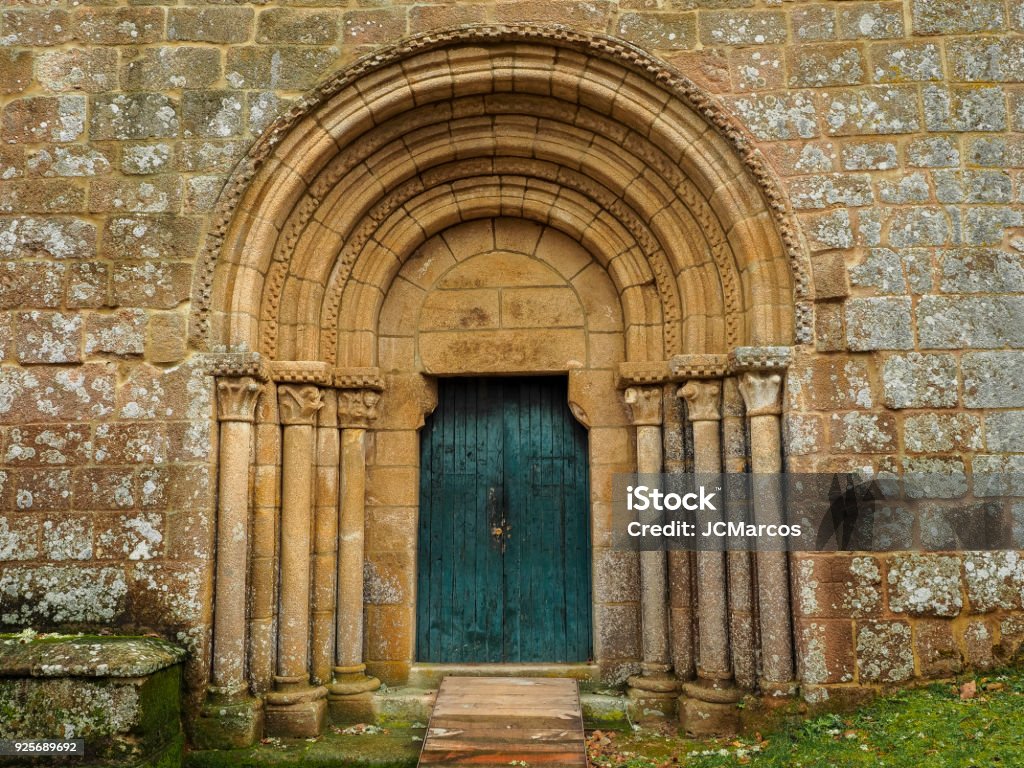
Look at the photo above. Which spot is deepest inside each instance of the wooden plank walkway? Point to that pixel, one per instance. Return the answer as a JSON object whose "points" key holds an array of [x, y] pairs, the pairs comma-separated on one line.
{"points": [[488, 722]]}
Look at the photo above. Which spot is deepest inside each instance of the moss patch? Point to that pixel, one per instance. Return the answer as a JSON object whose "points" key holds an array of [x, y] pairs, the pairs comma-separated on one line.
{"points": [[935, 727]]}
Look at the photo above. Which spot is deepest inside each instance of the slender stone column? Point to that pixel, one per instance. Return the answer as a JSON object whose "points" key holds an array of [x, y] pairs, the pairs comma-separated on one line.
{"points": [[655, 688], [349, 693], [325, 539], [762, 394], [707, 704], [742, 631], [231, 718], [296, 708]]}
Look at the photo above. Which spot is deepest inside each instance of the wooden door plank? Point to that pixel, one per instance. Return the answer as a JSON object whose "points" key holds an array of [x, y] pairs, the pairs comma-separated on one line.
{"points": [[487, 721]]}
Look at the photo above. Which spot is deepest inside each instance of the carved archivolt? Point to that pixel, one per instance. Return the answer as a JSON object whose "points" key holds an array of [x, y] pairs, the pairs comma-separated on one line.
{"points": [[393, 150]]}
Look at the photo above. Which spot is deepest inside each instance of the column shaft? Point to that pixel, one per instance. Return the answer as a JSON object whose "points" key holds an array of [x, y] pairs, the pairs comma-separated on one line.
{"points": [[325, 540], [762, 393]]}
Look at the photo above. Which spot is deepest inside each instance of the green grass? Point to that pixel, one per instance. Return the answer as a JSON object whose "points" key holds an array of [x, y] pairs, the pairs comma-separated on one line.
{"points": [[924, 728]]}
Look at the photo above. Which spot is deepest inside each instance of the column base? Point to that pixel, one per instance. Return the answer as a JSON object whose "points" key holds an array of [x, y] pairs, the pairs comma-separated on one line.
{"points": [[296, 712], [708, 708], [778, 692], [228, 722], [350, 696], [652, 696]]}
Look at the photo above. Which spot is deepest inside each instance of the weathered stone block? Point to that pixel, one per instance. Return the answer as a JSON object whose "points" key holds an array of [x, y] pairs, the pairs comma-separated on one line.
{"points": [[41, 490], [120, 334], [919, 226], [742, 27], [869, 156], [53, 237], [837, 586], [149, 284], [964, 108], [908, 188], [920, 381], [933, 152], [884, 651], [156, 69], [48, 445], [49, 337], [87, 285], [978, 638], [166, 338], [35, 27], [879, 323], [772, 117], [826, 191], [995, 580], [870, 20], [986, 225], [297, 25], [823, 65], [216, 114], [19, 535], [812, 23], [73, 160], [68, 538], [663, 31], [862, 433], [970, 322], [44, 118], [825, 651], [288, 68], [986, 59], [905, 62], [939, 432], [119, 26], [924, 585], [937, 650], [757, 69], [55, 393], [41, 196], [15, 71], [133, 116], [158, 238], [30, 285], [64, 594], [972, 186], [830, 383], [161, 194], [943, 17], [1004, 430], [91, 70], [141, 159], [262, 109], [826, 231], [210, 25], [871, 109]]}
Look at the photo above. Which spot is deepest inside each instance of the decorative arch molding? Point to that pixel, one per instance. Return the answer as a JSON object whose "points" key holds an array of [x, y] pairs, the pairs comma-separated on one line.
{"points": [[604, 100], [506, 129]]}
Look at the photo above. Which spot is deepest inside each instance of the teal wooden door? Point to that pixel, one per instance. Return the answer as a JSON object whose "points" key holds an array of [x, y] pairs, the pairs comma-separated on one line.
{"points": [[504, 534]]}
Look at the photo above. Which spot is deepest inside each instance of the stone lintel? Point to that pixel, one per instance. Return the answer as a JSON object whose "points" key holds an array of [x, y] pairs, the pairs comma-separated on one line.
{"points": [[743, 359], [237, 364]]}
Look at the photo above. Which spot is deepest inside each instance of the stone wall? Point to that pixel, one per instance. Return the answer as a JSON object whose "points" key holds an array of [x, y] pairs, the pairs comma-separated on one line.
{"points": [[894, 127]]}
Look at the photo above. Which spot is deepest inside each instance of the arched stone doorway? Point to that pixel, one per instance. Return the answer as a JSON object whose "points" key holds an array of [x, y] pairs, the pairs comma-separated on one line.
{"points": [[488, 201]]}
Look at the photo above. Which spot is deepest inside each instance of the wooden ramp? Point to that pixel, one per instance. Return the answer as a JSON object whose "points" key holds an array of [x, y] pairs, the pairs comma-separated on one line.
{"points": [[488, 722]]}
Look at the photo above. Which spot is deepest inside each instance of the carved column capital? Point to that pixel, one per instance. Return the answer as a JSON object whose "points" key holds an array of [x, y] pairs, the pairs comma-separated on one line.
{"points": [[236, 398], [762, 392], [299, 403], [357, 407], [644, 405], [703, 399]]}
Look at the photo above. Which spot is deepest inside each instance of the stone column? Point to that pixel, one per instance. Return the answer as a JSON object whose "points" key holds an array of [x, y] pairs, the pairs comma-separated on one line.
{"points": [[325, 539], [707, 705], [350, 692], [742, 630], [762, 395], [231, 718], [655, 688], [294, 707]]}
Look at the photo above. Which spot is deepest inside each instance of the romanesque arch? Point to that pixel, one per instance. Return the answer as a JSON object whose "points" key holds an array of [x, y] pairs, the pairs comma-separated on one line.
{"points": [[562, 162]]}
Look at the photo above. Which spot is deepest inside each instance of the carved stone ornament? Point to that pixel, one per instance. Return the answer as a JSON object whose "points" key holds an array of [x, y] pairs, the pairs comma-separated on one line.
{"points": [[762, 393], [236, 398], [237, 364], [299, 403], [686, 367], [632, 374], [357, 407], [760, 359], [644, 405], [703, 400]]}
